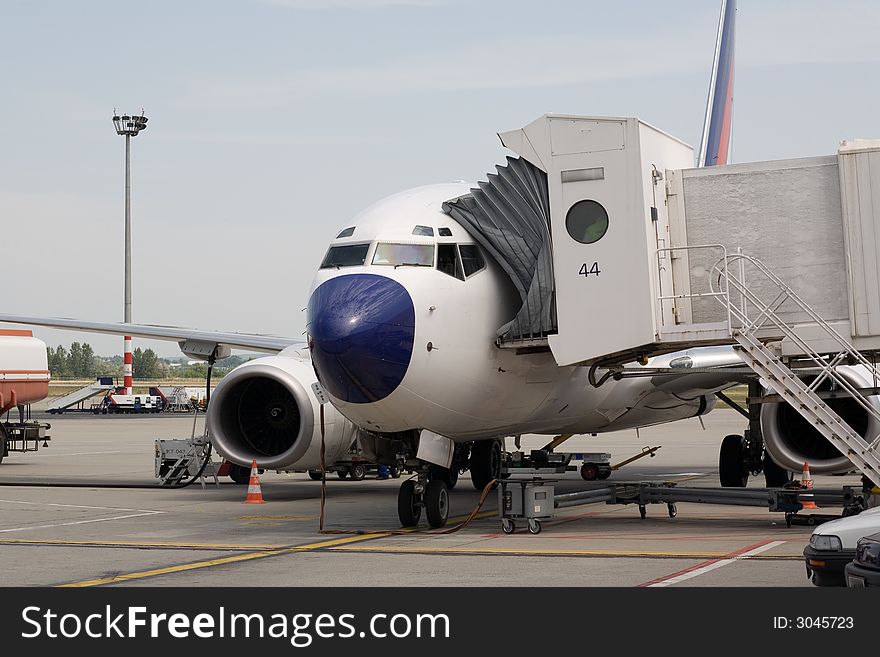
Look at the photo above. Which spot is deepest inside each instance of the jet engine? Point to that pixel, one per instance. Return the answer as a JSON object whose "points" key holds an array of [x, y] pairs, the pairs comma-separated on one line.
{"points": [[266, 410], [791, 440]]}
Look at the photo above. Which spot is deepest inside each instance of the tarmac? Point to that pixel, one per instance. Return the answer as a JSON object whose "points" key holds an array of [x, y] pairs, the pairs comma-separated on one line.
{"points": [[87, 536]]}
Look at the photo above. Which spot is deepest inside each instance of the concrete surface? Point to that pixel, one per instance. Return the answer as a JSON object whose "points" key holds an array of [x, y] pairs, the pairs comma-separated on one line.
{"points": [[51, 535]]}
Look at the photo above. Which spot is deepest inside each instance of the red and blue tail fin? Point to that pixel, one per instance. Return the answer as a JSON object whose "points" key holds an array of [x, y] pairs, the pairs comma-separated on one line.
{"points": [[715, 143]]}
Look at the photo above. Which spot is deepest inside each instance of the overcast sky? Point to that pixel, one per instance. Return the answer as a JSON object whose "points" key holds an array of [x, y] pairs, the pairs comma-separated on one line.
{"points": [[274, 121]]}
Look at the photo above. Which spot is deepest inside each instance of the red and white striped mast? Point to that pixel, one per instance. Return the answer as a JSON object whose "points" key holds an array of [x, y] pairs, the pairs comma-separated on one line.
{"points": [[127, 373], [128, 126]]}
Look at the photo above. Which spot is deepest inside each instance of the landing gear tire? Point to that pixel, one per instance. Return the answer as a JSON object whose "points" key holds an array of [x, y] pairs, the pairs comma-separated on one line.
{"points": [[408, 508], [508, 526], [342, 474], [589, 472], [452, 479], [534, 526], [447, 475], [239, 474], [315, 475], [437, 503], [485, 463], [643, 512], [732, 469], [775, 475], [670, 508], [357, 472], [394, 472]]}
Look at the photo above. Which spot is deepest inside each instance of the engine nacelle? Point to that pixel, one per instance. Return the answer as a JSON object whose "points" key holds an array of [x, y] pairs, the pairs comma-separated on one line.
{"points": [[266, 410], [791, 441]]}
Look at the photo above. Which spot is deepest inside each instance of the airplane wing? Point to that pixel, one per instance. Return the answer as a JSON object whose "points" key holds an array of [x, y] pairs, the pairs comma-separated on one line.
{"points": [[267, 343]]}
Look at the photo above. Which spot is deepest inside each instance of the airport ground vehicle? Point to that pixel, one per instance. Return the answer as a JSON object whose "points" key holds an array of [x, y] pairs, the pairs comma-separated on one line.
{"points": [[864, 570], [356, 466], [24, 379], [357, 470], [833, 545], [119, 402]]}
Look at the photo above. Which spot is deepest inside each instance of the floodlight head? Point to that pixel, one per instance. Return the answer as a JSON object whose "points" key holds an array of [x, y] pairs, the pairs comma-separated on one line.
{"points": [[129, 126]]}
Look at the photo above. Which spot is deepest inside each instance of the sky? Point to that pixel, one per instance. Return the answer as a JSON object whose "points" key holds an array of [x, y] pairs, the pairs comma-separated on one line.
{"points": [[272, 122]]}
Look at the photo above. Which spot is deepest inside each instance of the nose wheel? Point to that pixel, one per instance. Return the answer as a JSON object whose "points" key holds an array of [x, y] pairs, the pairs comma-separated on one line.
{"points": [[409, 509], [432, 495]]}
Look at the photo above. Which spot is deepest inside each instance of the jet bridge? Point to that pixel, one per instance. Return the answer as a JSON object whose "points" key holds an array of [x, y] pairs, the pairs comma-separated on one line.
{"points": [[644, 247]]}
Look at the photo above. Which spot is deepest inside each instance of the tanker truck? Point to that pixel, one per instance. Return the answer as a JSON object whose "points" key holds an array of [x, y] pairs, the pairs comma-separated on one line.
{"points": [[24, 379]]}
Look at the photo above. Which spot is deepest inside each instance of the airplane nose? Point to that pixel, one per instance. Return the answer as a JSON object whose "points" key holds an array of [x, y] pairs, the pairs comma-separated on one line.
{"points": [[361, 330]]}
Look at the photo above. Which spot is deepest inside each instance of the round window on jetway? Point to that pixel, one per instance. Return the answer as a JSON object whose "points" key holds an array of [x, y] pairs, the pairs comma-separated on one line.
{"points": [[586, 221]]}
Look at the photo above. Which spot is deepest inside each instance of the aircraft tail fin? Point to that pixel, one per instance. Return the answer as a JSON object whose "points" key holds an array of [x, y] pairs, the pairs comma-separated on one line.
{"points": [[715, 142]]}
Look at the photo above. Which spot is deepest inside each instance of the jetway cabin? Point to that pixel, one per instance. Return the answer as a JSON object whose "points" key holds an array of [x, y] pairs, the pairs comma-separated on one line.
{"points": [[622, 249]]}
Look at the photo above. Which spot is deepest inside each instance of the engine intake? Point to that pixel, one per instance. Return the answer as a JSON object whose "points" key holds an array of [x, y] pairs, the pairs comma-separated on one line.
{"points": [[262, 411], [266, 410]]}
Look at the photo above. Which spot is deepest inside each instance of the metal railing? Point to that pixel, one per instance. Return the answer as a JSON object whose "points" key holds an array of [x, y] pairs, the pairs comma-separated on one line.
{"points": [[721, 295], [767, 316]]}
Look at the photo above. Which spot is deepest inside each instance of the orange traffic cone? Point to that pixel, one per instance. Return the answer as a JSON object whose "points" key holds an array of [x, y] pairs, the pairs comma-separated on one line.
{"points": [[255, 493], [807, 482]]}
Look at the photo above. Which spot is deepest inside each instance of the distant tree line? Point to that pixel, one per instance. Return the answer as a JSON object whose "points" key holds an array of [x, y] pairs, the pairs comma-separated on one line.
{"points": [[80, 362], [77, 363]]}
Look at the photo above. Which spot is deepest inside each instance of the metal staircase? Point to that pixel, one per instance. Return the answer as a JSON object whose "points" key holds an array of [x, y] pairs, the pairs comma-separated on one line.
{"points": [[750, 315]]}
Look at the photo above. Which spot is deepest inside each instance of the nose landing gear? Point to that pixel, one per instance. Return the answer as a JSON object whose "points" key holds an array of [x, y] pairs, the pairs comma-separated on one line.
{"points": [[430, 494]]}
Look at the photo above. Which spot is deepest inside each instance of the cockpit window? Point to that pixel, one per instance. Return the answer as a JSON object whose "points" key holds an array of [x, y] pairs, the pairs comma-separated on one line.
{"points": [[444, 232], [448, 261], [471, 258], [404, 255], [423, 231], [346, 232], [348, 255]]}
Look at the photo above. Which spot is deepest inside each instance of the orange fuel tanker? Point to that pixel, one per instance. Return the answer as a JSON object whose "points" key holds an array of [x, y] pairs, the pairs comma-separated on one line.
{"points": [[24, 379]]}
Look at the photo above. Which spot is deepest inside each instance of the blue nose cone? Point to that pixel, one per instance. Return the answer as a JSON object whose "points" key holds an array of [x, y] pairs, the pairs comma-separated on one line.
{"points": [[361, 330]]}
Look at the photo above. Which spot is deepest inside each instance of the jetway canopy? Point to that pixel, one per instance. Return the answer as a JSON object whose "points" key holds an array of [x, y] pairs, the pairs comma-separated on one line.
{"points": [[637, 235], [509, 215]]}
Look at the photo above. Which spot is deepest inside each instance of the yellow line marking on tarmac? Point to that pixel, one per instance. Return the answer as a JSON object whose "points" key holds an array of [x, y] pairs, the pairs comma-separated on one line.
{"points": [[414, 549], [127, 577], [135, 544], [479, 516], [262, 554]]}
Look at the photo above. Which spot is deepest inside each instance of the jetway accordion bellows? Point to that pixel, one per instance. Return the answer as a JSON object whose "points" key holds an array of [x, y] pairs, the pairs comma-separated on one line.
{"points": [[509, 216]]}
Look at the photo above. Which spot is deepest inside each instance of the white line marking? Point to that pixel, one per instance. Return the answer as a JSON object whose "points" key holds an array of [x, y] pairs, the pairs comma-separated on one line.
{"points": [[77, 506], [79, 522], [716, 564], [138, 513]]}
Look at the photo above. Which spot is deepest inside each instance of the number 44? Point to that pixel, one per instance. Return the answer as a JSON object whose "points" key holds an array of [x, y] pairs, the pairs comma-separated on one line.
{"points": [[592, 270]]}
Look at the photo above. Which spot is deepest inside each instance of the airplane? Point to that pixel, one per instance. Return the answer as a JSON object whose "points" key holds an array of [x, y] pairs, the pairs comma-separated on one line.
{"points": [[403, 325]]}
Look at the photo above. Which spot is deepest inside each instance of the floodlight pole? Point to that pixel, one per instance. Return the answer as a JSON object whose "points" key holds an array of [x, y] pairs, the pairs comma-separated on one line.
{"points": [[127, 308], [128, 126]]}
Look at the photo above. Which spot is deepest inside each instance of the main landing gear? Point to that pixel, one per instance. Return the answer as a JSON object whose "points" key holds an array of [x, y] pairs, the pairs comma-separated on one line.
{"points": [[743, 455], [737, 461], [432, 494], [485, 462]]}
